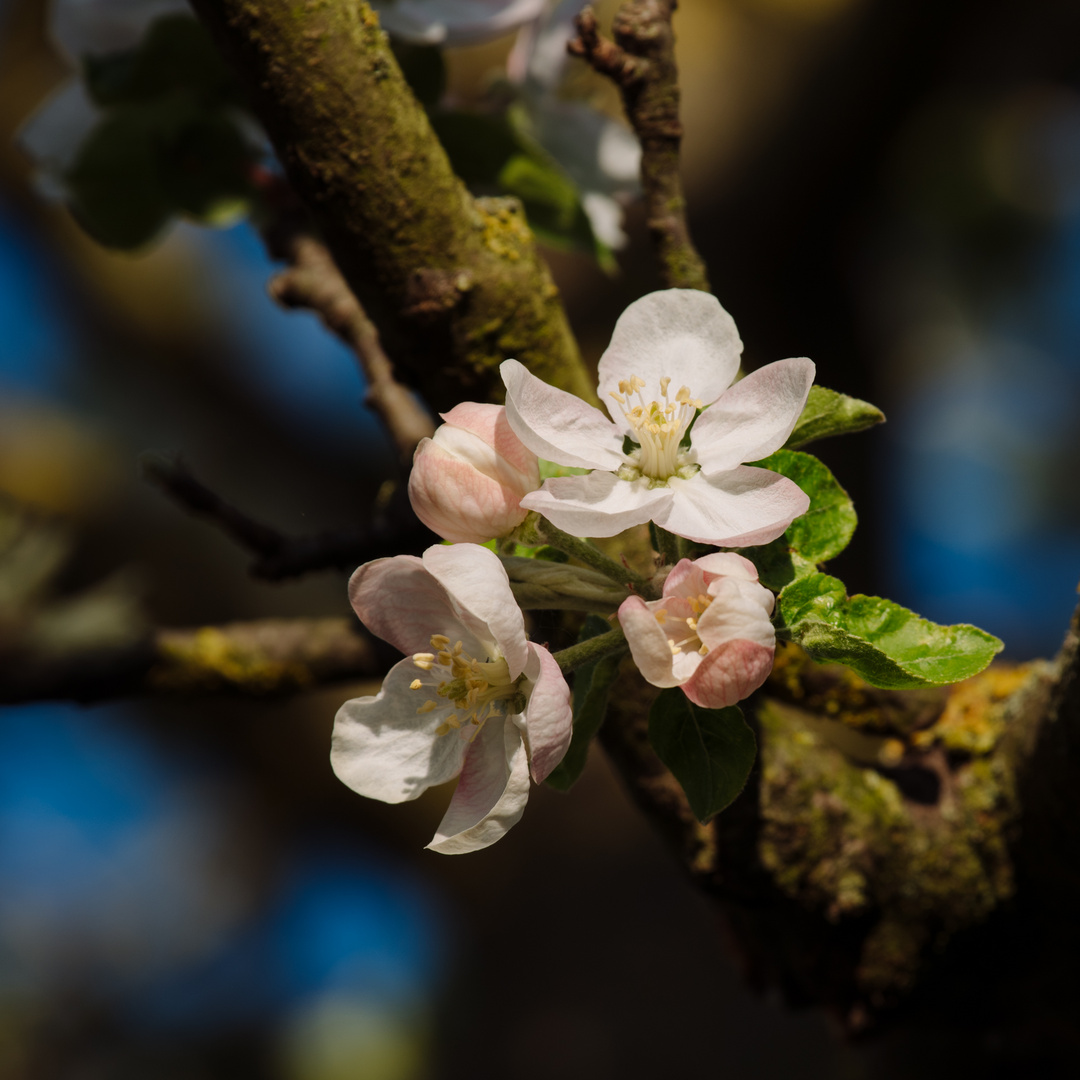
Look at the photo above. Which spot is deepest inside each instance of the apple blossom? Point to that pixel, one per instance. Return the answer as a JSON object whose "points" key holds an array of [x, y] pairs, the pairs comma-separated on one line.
{"points": [[473, 698], [702, 491], [468, 480], [453, 22], [709, 634]]}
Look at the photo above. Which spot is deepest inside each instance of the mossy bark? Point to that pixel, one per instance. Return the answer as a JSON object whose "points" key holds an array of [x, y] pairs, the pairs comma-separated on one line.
{"points": [[456, 283]]}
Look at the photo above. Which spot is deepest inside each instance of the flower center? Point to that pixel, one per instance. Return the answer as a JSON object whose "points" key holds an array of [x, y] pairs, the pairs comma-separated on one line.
{"points": [[658, 430], [678, 639], [476, 688]]}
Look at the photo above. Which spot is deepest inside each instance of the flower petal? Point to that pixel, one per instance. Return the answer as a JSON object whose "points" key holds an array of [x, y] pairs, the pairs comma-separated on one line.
{"points": [[477, 581], [454, 22], [491, 794], [459, 501], [384, 749], [681, 333], [648, 641], [558, 426], [737, 508], [753, 418], [398, 600], [728, 674], [739, 610], [549, 717], [599, 504], [727, 564]]}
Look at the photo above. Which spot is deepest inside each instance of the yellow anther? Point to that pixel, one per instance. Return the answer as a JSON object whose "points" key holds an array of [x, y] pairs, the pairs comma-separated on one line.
{"points": [[415, 684], [439, 641], [692, 623], [427, 707], [661, 616], [620, 398], [424, 660], [675, 650], [665, 382], [704, 650]]}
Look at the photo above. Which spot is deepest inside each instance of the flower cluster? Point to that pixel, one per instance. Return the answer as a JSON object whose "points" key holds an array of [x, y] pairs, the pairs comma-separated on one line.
{"points": [[475, 698]]}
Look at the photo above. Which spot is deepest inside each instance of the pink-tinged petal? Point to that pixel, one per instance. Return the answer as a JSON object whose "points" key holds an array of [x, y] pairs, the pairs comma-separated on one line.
{"points": [[598, 504], [753, 418], [384, 749], [477, 581], [459, 502], [682, 334], [399, 601], [549, 716], [489, 424], [558, 426], [728, 674], [727, 564], [738, 508], [648, 641], [686, 579], [739, 610], [491, 794]]}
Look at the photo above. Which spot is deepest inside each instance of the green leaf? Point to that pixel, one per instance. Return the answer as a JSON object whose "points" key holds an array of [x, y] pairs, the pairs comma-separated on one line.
{"points": [[176, 55], [886, 644], [828, 413], [709, 751], [592, 686], [115, 182], [820, 534]]}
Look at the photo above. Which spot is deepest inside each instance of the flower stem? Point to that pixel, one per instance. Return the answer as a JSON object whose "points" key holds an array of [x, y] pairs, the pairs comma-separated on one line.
{"points": [[538, 530], [591, 649], [669, 546]]}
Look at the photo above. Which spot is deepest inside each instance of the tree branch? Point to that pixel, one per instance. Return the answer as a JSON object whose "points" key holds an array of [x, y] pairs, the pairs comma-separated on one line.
{"points": [[394, 531], [263, 658], [314, 282], [641, 62], [456, 283]]}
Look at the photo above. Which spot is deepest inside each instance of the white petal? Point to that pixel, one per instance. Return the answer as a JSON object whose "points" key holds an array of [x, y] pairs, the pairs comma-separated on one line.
{"points": [[556, 425], [539, 53], [683, 334], [598, 504], [384, 749], [491, 794], [729, 673], [727, 564], [454, 22], [477, 581], [753, 418], [648, 641], [549, 717], [738, 508], [55, 132], [398, 600], [740, 611]]}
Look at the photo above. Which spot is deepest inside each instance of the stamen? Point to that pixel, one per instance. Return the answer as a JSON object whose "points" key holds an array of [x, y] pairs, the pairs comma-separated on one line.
{"points": [[439, 642], [427, 707], [415, 684]]}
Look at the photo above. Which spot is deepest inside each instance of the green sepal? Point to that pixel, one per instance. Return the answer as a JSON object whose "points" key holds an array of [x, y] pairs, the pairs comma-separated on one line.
{"points": [[709, 751], [592, 686], [828, 413], [820, 534], [887, 645]]}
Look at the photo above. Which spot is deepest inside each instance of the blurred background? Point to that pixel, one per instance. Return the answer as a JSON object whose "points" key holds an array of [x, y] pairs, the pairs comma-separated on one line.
{"points": [[891, 187]]}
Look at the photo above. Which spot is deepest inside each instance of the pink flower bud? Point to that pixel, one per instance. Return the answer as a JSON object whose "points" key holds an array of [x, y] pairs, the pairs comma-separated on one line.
{"points": [[468, 481], [710, 634]]}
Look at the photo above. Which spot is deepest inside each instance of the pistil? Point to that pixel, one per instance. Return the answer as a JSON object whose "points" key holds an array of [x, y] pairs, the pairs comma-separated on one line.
{"points": [[658, 429]]}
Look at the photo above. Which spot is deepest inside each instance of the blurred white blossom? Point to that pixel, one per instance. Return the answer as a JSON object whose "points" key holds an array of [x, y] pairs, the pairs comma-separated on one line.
{"points": [[453, 22]]}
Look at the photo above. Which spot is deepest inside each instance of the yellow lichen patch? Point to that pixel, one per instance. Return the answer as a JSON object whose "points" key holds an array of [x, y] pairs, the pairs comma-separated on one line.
{"points": [[506, 232], [973, 720], [210, 660]]}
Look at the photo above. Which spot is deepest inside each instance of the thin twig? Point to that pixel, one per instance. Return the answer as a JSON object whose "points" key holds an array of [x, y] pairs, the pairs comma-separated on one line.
{"points": [[394, 531], [641, 62], [313, 282]]}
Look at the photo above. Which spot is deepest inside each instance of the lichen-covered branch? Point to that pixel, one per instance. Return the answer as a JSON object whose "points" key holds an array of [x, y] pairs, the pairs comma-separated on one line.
{"points": [[263, 658], [455, 283], [393, 530], [313, 281], [641, 62]]}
